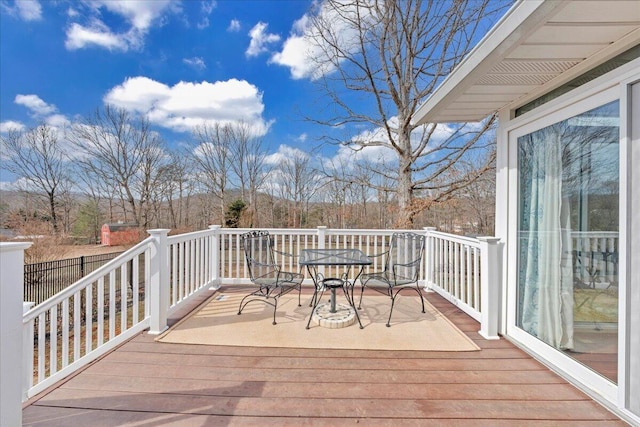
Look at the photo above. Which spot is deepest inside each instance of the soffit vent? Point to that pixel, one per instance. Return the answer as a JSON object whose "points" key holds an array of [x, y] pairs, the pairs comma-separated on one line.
{"points": [[515, 79], [532, 67]]}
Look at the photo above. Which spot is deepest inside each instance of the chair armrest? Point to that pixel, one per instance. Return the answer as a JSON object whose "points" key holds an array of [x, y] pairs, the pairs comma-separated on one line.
{"points": [[275, 267], [378, 255], [410, 264], [415, 263], [286, 254]]}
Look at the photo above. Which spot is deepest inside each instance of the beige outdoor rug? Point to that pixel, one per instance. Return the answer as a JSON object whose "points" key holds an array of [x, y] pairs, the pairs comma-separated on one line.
{"points": [[216, 322]]}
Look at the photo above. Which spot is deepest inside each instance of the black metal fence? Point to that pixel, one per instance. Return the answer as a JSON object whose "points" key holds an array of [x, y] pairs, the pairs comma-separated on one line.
{"points": [[45, 279]]}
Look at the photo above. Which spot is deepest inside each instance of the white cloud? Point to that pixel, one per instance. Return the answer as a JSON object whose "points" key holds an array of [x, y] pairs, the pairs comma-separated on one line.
{"points": [[57, 121], [139, 14], [35, 104], [285, 153], [195, 62], [207, 8], [186, 105], [38, 109], [27, 10], [302, 137], [304, 51], [10, 125], [97, 34], [260, 39], [72, 13], [234, 26]]}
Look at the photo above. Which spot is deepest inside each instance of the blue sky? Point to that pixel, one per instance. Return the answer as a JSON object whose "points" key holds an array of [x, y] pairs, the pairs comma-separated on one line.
{"points": [[180, 62], [183, 61]]}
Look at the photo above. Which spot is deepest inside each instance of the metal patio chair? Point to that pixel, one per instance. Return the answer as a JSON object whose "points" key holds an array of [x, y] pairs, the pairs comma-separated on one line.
{"points": [[265, 272], [401, 268]]}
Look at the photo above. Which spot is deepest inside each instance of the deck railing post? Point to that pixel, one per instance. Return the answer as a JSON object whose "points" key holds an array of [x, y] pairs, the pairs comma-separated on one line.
{"points": [[322, 237], [215, 254], [490, 287], [11, 355], [159, 289], [27, 353], [428, 261]]}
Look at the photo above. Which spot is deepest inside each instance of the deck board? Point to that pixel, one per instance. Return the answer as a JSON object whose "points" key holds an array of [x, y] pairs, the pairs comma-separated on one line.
{"points": [[147, 383]]}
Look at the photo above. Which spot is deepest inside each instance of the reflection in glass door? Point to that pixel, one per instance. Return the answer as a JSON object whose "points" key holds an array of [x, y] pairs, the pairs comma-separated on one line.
{"points": [[568, 183]]}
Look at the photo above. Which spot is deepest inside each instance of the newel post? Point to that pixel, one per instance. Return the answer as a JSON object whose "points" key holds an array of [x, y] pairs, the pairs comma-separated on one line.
{"points": [[429, 253], [27, 353], [11, 348], [322, 237], [215, 254], [490, 287], [159, 286]]}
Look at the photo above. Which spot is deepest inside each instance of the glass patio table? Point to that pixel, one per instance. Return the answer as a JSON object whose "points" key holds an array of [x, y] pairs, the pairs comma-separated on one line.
{"points": [[313, 259]]}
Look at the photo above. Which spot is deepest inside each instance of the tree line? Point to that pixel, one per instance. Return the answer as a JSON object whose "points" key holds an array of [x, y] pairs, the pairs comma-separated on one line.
{"points": [[111, 167]]}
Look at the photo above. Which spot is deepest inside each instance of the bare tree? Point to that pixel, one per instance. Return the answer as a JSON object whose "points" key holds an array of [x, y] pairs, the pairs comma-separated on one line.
{"points": [[248, 163], [212, 157], [379, 61], [297, 182], [37, 157], [176, 187], [124, 152]]}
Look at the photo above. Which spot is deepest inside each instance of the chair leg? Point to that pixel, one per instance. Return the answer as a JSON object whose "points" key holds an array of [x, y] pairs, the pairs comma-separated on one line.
{"points": [[317, 296], [275, 308], [262, 297], [393, 301], [421, 298], [361, 293]]}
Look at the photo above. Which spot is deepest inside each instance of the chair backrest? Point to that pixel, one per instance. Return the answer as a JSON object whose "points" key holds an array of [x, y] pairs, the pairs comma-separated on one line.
{"points": [[258, 251], [405, 254]]}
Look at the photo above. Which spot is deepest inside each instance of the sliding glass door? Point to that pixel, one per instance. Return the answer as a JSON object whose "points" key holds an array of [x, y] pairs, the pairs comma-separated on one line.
{"points": [[568, 224]]}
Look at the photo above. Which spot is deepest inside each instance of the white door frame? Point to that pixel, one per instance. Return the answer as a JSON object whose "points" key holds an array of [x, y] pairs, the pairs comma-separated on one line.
{"points": [[609, 87]]}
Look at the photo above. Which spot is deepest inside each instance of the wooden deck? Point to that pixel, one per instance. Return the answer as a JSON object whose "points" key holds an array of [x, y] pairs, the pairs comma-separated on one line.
{"points": [[145, 383]]}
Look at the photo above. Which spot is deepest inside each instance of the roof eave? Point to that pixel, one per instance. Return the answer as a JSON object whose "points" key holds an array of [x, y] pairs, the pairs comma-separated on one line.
{"points": [[518, 23]]}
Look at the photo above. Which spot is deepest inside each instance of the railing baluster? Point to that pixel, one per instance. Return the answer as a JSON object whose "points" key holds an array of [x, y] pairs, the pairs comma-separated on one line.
{"points": [[88, 309], [123, 297], [42, 333], [135, 289], [65, 334], [53, 340], [112, 305], [100, 319], [77, 322]]}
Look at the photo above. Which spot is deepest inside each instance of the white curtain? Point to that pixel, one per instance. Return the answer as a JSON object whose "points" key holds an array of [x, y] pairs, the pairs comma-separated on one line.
{"points": [[546, 273]]}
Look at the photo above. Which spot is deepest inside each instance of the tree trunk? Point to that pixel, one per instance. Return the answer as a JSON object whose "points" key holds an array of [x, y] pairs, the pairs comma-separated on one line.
{"points": [[405, 181], [52, 211]]}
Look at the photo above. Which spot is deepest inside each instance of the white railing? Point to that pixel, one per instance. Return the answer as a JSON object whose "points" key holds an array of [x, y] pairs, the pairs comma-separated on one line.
{"points": [[292, 241], [86, 319], [113, 303], [595, 257], [465, 271], [139, 288], [454, 269]]}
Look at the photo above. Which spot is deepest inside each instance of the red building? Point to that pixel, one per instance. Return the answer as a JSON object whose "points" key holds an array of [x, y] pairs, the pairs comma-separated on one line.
{"points": [[119, 234]]}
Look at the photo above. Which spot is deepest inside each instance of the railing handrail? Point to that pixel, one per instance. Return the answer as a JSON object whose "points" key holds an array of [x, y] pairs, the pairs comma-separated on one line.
{"points": [[180, 238], [86, 280], [471, 241]]}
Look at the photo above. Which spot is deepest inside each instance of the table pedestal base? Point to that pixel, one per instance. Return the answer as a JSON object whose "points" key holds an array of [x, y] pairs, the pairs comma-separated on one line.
{"points": [[344, 316]]}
